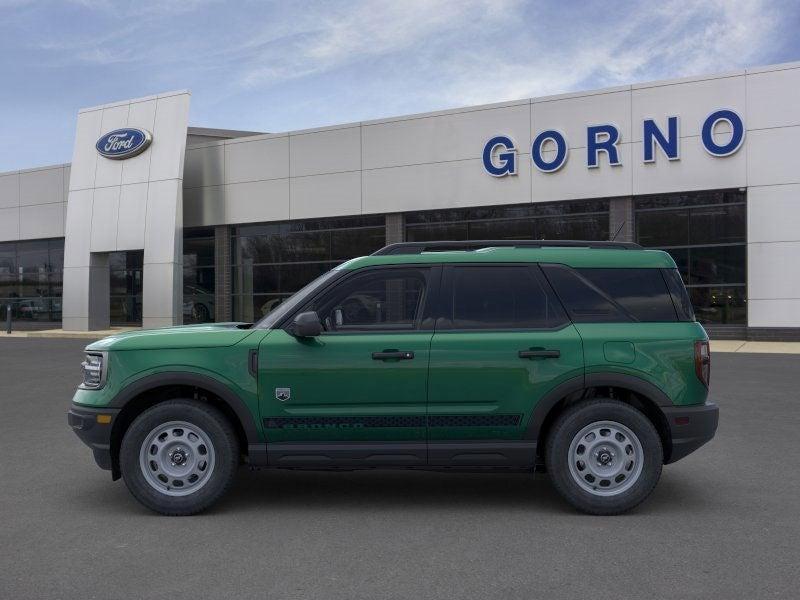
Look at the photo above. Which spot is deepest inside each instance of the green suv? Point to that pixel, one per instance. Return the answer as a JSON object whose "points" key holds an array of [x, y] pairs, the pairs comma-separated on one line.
{"points": [[582, 359]]}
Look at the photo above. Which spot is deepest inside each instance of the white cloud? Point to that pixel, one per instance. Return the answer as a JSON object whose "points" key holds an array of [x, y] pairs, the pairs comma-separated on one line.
{"points": [[325, 38], [470, 52], [674, 40], [465, 51]]}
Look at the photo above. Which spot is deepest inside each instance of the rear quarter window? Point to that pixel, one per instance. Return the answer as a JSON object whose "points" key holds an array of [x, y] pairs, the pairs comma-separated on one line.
{"points": [[601, 295]]}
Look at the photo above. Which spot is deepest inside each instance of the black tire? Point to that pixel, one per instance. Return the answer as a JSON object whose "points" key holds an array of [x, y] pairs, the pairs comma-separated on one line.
{"points": [[581, 415], [225, 451]]}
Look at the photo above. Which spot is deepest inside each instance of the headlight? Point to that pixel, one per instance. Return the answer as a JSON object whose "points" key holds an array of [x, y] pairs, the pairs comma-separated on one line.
{"points": [[94, 371]]}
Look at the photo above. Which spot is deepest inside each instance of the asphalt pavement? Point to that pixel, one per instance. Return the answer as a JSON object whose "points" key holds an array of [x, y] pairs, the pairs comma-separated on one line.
{"points": [[722, 523]]}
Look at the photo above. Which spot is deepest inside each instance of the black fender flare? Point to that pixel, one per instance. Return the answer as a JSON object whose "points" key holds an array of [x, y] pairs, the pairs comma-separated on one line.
{"points": [[214, 386], [590, 380], [631, 382], [548, 401]]}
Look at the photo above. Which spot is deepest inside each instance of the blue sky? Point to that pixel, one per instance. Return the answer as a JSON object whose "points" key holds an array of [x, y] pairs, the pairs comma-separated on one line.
{"points": [[276, 66]]}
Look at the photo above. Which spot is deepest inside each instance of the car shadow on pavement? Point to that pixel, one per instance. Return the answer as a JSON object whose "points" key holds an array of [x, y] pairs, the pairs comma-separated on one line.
{"points": [[419, 489], [391, 489]]}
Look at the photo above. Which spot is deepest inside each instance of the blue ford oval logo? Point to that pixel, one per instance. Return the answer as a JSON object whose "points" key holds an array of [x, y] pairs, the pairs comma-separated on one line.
{"points": [[124, 143]]}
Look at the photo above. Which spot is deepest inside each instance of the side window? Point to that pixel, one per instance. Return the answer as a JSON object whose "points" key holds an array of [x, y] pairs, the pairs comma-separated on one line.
{"points": [[600, 295], [641, 292], [502, 297], [379, 300], [680, 298], [584, 301]]}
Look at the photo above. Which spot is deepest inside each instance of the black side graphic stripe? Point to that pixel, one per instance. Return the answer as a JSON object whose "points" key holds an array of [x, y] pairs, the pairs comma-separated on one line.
{"points": [[315, 422], [473, 420], [505, 420]]}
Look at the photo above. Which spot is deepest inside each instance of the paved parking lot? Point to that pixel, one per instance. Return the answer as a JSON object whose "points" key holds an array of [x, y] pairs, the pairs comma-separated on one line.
{"points": [[723, 523]]}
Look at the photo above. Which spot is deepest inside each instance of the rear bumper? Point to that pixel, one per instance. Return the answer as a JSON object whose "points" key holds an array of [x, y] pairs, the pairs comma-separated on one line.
{"points": [[690, 428], [94, 434]]}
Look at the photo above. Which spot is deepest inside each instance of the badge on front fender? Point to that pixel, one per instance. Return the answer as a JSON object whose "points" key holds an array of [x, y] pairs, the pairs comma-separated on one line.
{"points": [[283, 394]]}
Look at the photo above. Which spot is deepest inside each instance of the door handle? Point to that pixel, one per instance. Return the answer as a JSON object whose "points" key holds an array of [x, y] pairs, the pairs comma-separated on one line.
{"points": [[539, 353], [393, 354]]}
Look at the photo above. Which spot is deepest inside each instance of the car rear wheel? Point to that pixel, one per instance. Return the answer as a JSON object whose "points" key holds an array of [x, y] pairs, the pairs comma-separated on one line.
{"points": [[179, 457], [604, 456]]}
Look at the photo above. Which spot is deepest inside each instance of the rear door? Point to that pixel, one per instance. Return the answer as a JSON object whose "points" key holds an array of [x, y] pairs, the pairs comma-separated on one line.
{"points": [[357, 393], [501, 343]]}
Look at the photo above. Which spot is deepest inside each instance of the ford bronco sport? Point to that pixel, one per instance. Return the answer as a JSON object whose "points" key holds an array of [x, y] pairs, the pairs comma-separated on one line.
{"points": [[581, 359]]}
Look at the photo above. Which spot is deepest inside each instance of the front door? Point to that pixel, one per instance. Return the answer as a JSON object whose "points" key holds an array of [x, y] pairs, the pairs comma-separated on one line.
{"points": [[357, 393], [502, 343]]}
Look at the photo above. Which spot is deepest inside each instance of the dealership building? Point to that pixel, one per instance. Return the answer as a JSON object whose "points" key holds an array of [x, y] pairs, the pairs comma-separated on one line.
{"points": [[156, 223]]}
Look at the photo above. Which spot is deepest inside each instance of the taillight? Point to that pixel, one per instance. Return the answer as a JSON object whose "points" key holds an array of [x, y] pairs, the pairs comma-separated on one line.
{"points": [[702, 361]]}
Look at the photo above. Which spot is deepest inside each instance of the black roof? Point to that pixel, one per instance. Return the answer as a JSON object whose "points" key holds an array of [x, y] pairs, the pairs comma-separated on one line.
{"points": [[444, 246]]}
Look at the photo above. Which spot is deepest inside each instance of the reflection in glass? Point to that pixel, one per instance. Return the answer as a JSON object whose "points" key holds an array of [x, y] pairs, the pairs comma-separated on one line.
{"points": [[584, 220], [30, 280], [706, 234], [125, 270], [272, 261]]}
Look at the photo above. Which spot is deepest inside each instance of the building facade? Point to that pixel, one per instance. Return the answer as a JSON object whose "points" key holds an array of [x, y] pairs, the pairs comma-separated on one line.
{"points": [[157, 223]]}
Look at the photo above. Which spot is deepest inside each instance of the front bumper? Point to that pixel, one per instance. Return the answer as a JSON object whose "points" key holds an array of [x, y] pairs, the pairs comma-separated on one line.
{"points": [[690, 427], [94, 432]]}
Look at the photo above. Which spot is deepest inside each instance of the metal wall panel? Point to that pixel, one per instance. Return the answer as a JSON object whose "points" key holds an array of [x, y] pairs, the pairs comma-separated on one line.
{"points": [[41, 221], [146, 212], [204, 166], [131, 218], [326, 151], [441, 185], [328, 195], [773, 98], [105, 218], [259, 160], [43, 186], [571, 114], [257, 201], [204, 206], [9, 224], [692, 100], [141, 114], [9, 190], [449, 137], [697, 170], [773, 156]]}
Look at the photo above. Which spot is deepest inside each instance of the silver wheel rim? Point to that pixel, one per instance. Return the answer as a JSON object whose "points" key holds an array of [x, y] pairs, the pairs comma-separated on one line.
{"points": [[605, 458], [177, 458]]}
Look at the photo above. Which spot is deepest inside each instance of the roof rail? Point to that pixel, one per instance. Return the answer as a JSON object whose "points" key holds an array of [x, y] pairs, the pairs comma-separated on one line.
{"points": [[444, 246]]}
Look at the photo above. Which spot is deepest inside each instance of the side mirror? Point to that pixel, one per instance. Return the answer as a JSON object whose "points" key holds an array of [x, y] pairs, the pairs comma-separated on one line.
{"points": [[306, 325]]}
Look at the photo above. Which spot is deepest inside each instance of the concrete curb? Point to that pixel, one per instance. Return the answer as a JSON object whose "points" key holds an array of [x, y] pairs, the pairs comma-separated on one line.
{"points": [[60, 333], [755, 347]]}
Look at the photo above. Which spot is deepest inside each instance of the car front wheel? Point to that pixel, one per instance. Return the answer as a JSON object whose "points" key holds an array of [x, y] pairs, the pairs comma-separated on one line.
{"points": [[604, 456], [179, 457]]}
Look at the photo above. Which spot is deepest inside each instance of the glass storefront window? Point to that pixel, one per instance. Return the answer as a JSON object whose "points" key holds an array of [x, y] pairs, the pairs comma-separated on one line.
{"points": [[583, 220], [720, 305], [125, 270], [198, 275], [659, 228], [30, 281], [706, 234], [272, 261]]}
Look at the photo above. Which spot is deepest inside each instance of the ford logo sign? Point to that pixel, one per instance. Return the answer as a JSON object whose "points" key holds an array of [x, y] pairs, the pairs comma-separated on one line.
{"points": [[123, 143]]}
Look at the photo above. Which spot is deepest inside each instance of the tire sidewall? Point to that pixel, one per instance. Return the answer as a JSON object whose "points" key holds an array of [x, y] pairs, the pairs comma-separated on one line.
{"points": [[568, 426], [221, 435]]}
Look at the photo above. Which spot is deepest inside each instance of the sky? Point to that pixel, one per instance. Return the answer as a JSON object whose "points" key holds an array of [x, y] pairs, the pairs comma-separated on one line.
{"points": [[293, 64]]}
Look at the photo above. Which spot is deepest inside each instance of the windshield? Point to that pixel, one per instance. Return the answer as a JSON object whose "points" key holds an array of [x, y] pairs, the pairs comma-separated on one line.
{"points": [[293, 301]]}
